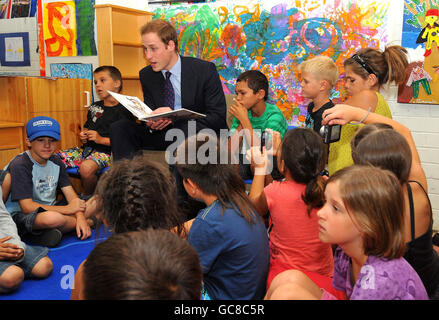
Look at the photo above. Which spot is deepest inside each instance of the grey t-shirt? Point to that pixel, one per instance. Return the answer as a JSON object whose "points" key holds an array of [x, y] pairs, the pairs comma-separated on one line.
{"points": [[8, 227]]}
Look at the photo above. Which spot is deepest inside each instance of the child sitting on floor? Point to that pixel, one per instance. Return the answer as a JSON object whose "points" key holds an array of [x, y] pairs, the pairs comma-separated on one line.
{"points": [[251, 116], [33, 178], [319, 75], [18, 261], [136, 194], [95, 153], [228, 234], [364, 215], [293, 203]]}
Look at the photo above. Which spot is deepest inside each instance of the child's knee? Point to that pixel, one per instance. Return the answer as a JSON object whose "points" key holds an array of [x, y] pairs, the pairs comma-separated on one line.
{"points": [[11, 279], [289, 276], [88, 169], [43, 268], [289, 291]]}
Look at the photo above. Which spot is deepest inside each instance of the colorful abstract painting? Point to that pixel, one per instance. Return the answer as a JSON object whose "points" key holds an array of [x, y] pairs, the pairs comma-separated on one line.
{"points": [[275, 37], [420, 34], [69, 28], [59, 23], [85, 19], [73, 71]]}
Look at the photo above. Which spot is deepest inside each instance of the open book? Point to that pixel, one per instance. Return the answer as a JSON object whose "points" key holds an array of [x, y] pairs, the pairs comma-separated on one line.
{"points": [[143, 112]]}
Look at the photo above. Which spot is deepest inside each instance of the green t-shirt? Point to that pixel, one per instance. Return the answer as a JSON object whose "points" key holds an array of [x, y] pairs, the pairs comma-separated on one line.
{"points": [[272, 118]]}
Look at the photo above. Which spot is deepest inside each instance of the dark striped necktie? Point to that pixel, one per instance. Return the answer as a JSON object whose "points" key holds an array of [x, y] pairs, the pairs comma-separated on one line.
{"points": [[169, 91]]}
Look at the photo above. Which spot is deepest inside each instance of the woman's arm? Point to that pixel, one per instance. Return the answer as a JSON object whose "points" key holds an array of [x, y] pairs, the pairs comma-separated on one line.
{"points": [[343, 114]]}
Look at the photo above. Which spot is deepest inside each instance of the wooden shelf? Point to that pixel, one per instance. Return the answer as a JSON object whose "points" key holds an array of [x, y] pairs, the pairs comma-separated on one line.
{"points": [[8, 124], [130, 77], [128, 44], [120, 43]]}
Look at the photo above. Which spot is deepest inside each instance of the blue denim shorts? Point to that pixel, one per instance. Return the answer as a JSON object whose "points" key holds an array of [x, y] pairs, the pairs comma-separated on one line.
{"points": [[25, 221], [32, 254]]}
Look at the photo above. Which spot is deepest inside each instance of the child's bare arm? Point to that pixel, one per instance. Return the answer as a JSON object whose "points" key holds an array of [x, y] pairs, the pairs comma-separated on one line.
{"points": [[93, 135], [257, 195]]}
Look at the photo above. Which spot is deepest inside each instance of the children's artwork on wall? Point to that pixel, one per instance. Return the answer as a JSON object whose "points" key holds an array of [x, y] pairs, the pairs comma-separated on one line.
{"points": [[23, 8], [73, 71], [59, 23], [69, 28], [4, 8], [275, 37], [14, 49], [85, 19], [420, 34]]}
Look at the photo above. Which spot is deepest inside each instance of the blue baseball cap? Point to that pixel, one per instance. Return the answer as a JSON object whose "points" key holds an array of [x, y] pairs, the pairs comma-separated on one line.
{"points": [[42, 127]]}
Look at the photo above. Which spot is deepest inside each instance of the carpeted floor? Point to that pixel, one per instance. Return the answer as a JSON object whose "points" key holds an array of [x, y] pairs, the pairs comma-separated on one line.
{"points": [[66, 258]]}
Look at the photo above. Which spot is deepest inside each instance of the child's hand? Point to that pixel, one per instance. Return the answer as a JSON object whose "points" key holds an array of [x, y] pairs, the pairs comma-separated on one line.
{"points": [[9, 251], [83, 137], [83, 230], [76, 205], [259, 160], [238, 111], [93, 135]]}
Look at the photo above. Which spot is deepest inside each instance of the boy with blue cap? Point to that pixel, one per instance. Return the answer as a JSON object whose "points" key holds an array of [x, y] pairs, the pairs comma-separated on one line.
{"points": [[36, 175]]}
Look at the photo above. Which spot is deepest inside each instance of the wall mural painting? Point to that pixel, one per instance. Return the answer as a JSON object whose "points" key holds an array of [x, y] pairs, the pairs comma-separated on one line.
{"points": [[420, 34], [275, 37]]}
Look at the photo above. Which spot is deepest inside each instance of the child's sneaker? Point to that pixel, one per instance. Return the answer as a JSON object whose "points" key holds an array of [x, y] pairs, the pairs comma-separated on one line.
{"points": [[47, 238]]}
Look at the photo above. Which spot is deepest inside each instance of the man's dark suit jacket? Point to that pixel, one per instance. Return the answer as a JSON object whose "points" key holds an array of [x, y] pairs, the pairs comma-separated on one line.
{"points": [[201, 91]]}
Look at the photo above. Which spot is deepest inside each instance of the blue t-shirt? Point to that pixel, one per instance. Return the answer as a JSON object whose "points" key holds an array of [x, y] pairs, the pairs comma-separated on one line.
{"points": [[234, 254], [31, 180]]}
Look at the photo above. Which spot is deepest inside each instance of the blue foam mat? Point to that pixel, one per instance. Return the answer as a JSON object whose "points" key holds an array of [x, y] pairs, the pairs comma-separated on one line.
{"points": [[66, 258]]}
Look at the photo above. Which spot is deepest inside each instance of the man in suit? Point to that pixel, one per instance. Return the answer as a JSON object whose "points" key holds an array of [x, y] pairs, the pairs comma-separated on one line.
{"points": [[170, 82]]}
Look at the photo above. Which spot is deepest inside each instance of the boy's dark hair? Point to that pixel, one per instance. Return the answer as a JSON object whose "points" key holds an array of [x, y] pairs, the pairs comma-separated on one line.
{"points": [[138, 194], [256, 81], [304, 155], [216, 177], [113, 72], [386, 149], [143, 265], [375, 202]]}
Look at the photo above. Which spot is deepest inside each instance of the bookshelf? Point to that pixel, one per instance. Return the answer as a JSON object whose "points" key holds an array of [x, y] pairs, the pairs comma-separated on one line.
{"points": [[120, 44]]}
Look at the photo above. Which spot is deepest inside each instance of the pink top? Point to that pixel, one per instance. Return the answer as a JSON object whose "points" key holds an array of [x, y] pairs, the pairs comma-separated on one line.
{"points": [[294, 238]]}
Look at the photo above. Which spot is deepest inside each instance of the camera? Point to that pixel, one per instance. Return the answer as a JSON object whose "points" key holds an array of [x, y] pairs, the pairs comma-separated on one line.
{"points": [[330, 133], [265, 140]]}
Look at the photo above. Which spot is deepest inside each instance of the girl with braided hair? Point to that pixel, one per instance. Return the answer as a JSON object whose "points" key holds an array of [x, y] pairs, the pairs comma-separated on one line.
{"points": [[135, 195]]}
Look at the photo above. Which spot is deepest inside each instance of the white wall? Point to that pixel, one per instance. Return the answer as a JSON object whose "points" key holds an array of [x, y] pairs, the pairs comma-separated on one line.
{"points": [[421, 119]]}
